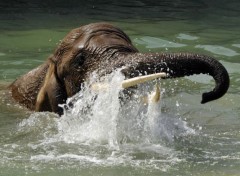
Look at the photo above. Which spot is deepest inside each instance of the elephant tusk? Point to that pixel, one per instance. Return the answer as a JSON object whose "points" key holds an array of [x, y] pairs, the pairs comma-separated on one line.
{"points": [[141, 79], [155, 96], [99, 86], [129, 82]]}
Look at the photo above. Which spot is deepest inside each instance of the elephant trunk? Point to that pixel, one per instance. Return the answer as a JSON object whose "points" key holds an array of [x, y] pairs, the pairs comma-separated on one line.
{"points": [[179, 65]]}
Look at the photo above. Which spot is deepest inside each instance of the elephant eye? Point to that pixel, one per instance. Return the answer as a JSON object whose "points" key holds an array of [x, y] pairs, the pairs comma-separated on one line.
{"points": [[79, 59]]}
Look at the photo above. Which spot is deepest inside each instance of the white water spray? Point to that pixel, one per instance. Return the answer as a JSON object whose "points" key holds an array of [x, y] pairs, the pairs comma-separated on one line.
{"points": [[106, 127], [99, 117]]}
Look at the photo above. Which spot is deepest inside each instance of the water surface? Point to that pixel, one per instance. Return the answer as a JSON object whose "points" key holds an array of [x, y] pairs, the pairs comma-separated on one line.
{"points": [[178, 136]]}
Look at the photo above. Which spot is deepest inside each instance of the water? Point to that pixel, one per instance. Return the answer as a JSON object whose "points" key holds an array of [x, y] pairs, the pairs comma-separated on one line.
{"points": [[100, 135]]}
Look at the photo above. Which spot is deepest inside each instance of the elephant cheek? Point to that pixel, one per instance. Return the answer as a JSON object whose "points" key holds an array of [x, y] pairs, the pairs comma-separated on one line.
{"points": [[72, 86]]}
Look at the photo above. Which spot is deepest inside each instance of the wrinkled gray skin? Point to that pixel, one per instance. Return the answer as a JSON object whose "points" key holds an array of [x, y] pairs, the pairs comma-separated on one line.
{"points": [[102, 48]]}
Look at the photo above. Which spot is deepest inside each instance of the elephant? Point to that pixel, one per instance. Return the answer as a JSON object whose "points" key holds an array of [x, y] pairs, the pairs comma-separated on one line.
{"points": [[103, 48]]}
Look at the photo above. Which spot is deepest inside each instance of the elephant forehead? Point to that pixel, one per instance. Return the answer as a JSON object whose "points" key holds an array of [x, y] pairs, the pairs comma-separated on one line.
{"points": [[107, 40], [101, 40]]}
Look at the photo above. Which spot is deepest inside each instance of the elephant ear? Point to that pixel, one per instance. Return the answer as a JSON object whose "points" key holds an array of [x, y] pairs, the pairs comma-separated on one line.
{"points": [[52, 92]]}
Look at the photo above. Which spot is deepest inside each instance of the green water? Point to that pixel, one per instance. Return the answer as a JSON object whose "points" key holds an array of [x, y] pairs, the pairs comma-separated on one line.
{"points": [[33, 143]]}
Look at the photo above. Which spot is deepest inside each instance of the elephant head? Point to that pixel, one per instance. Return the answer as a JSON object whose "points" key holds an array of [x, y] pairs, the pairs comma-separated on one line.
{"points": [[102, 48]]}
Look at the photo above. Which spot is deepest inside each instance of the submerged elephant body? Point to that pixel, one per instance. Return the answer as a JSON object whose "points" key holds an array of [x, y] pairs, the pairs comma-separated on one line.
{"points": [[102, 48]]}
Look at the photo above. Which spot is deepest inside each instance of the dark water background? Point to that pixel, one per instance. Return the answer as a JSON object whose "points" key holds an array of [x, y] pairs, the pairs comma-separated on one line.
{"points": [[41, 144]]}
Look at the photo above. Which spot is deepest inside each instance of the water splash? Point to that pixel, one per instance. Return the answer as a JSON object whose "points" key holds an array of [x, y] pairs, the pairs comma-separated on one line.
{"points": [[91, 116], [107, 127], [114, 118]]}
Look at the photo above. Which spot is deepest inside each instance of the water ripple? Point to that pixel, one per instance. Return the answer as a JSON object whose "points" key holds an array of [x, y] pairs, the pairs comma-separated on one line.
{"points": [[153, 42], [220, 50]]}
